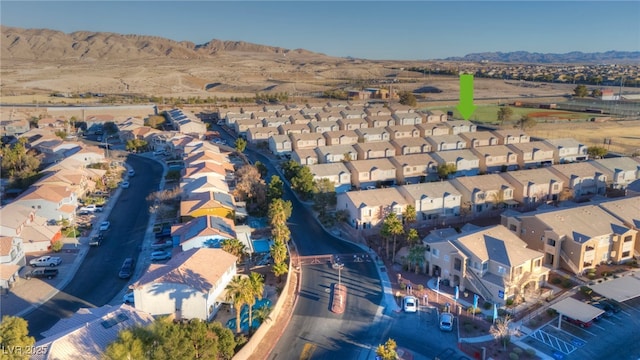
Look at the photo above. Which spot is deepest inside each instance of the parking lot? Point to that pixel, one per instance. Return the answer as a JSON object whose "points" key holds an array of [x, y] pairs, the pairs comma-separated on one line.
{"points": [[611, 337]]}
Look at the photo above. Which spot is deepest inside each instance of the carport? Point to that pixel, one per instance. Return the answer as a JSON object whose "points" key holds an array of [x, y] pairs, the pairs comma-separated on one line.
{"points": [[576, 309], [621, 289]]}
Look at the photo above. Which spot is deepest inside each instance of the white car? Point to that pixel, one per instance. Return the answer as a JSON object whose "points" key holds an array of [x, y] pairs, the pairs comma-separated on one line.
{"points": [[160, 255], [104, 226], [46, 261], [410, 304], [446, 321], [128, 298], [124, 184]]}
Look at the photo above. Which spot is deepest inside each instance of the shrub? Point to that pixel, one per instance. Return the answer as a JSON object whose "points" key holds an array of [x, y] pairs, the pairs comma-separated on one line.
{"points": [[509, 302], [586, 290], [551, 312], [566, 283], [517, 350], [556, 281], [56, 246], [514, 356], [530, 352], [420, 287], [487, 305]]}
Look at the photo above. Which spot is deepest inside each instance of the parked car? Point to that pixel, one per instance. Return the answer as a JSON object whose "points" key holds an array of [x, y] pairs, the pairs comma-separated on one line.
{"points": [[612, 305], [127, 269], [128, 298], [162, 244], [96, 240], [124, 184], [89, 209], [41, 273], [446, 321], [104, 226], [580, 323], [131, 173], [410, 304], [160, 255], [46, 261]]}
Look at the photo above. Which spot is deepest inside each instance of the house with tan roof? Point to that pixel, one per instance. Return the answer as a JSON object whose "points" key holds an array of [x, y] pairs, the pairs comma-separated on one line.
{"points": [[323, 126], [575, 239], [380, 121], [191, 285], [310, 113], [535, 186], [368, 208], [496, 158], [511, 136], [206, 168], [76, 180], [204, 183], [231, 118], [287, 113], [375, 150], [435, 200], [446, 142], [305, 156], [280, 144], [294, 128], [207, 203], [622, 170], [373, 134], [274, 122], [366, 173], [211, 156], [484, 193], [465, 161], [626, 210], [492, 262], [241, 126], [533, 154], [341, 137], [138, 132], [584, 179], [411, 118], [403, 131], [435, 116], [398, 108], [568, 150], [12, 258], [479, 138], [336, 153], [457, 127], [87, 333], [432, 129], [274, 108], [52, 122], [411, 145], [263, 115], [307, 140], [353, 113], [14, 127], [203, 232], [53, 202], [301, 118], [331, 115], [353, 123], [415, 168], [336, 105], [18, 221], [377, 110], [336, 172], [260, 134]]}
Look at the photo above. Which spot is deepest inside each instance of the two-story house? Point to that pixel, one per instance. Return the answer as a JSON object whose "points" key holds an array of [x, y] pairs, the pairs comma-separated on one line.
{"points": [[353, 123], [465, 161], [460, 126], [380, 121], [368, 208], [374, 150], [366, 173], [336, 153], [403, 131], [336, 172], [341, 137], [622, 170], [535, 186], [307, 140], [415, 168], [207, 203], [568, 150], [533, 154], [481, 194], [53, 202], [323, 126], [496, 158], [584, 179], [626, 210], [373, 134], [411, 118], [411, 145], [479, 138], [434, 200], [294, 128], [446, 142], [280, 144], [435, 116], [306, 156], [35, 232], [203, 232], [511, 136], [260, 134]]}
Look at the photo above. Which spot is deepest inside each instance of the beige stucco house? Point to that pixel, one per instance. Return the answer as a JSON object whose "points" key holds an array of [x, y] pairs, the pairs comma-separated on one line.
{"points": [[341, 137], [365, 173], [535, 186], [373, 134], [368, 208], [481, 194], [435, 200], [374, 150], [415, 168], [337, 173], [533, 154], [336, 153], [496, 158]]}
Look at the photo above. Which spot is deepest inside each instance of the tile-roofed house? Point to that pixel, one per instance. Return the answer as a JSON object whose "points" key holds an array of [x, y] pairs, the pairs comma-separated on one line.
{"points": [[274, 122], [307, 140], [294, 128], [575, 239], [203, 184], [14, 127], [414, 168], [205, 169], [367, 208], [204, 231], [446, 142], [189, 286], [435, 200], [356, 113], [52, 122], [241, 126], [231, 118], [12, 259], [377, 110], [371, 172], [18, 221], [373, 134], [484, 193], [280, 144], [209, 156], [398, 108], [479, 138], [375, 150], [533, 154], [584, 179], [512, 136], [336, 153], [138, 132], [623, 170], [380, 121], [331, 115], [353, 123], [305, 156], [260, 134], [403, 131], [432, 129], [323, 126], [568, 150], [535, 186], [460, 126], [465, 161], [87, 333], [413, 118], [76, 180], [626, 210], [435, 116], [207, 203], [53, 202], [492, 262], [496, 158], [336, 172], [341, 137], [411, 145]]}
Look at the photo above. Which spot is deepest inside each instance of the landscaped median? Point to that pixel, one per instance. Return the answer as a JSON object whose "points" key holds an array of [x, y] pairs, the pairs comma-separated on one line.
{"points": [[339, 298]]}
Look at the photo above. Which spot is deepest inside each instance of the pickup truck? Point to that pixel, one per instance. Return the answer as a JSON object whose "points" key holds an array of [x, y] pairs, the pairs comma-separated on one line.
{"points": [[46, 261], [89, 209]]}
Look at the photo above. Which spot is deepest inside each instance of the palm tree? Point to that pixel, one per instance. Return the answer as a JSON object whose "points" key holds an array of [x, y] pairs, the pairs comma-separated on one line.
{"points": [[237, 293], [391, 227], [409, 215], [234, 247], [278, 252], [262, 313], [256, 289], [279, 270], [412, 237]]}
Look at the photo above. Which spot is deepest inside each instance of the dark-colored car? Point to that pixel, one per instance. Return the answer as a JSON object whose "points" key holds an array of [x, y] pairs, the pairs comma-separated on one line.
{"points": [[96, 240], [127, 269], [608, 310], [611, 305], [41, 273]]}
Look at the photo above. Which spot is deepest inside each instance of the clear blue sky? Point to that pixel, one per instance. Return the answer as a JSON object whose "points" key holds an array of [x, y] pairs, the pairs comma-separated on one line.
{"points": [[365, 29]]}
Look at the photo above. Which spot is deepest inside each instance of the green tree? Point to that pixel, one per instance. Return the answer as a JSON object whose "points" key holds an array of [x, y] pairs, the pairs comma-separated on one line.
{"points": [[110, 128], [279, 212], [280, 233], [262, 169], [412, 237], [416, 256], [409, 215], [17, 161], [597, 152], [387, 351], [504, 114], [391, 227], [250, 186], [302, 182], [279, 270], [238, 293], [324, 195], [596, 93], [226, 341], [275, 190], [241, 144], [580, 91], [526, 122], [444, 170], [262, 313], [14, 334], [407, 98], [234, 247], [278, 251], [130, 344], [290, 169], [256, 289]]}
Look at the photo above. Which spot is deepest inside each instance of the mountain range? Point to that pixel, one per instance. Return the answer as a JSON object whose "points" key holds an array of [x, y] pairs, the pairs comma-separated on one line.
{"points": [[608, 57]]}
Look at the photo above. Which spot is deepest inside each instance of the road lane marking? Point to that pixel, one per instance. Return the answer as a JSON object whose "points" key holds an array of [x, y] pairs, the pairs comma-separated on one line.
{"points": [[307, 351]]}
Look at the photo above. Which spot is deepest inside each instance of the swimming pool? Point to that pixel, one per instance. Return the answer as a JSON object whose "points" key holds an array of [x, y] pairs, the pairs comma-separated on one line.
{"points": [[244, 316], [261, 245]]}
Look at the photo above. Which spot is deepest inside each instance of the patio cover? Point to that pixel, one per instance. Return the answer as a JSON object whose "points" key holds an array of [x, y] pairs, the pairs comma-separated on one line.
{"points": [[576, 309], [620, 289]]}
